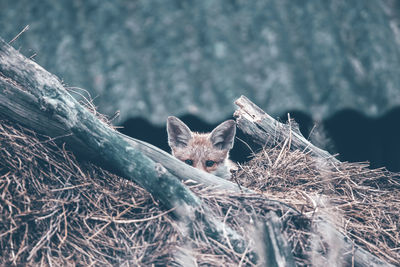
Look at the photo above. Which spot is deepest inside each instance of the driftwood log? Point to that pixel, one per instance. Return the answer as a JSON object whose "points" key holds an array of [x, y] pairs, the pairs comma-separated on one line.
{"points": [[36, 99]]}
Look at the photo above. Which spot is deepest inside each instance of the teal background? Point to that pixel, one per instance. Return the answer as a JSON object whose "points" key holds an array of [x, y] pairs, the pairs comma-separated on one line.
{"points": [[155, 58]]}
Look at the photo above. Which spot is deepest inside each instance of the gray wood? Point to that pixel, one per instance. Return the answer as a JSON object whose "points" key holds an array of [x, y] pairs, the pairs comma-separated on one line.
{"points": [[36, 99], [265, 130], [277, 251]]}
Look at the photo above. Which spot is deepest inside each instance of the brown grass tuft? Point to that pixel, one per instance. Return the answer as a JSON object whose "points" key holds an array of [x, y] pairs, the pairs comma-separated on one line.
{"points": [[362, 203]]}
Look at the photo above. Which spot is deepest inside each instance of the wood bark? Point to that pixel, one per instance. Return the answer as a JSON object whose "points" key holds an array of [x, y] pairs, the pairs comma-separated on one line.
{"points": [[36, 99], [277, 252]]}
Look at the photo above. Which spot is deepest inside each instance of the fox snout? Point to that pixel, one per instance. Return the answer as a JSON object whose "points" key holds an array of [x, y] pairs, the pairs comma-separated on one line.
{"points": [[205, 151]]}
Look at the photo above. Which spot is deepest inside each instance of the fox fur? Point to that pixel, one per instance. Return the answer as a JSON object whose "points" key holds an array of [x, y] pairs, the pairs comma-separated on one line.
{"points": [[206, 151]]}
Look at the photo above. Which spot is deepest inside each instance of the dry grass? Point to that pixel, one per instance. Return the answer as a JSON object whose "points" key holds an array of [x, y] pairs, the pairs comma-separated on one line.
{"points": [[57, 210], [363, 203]]}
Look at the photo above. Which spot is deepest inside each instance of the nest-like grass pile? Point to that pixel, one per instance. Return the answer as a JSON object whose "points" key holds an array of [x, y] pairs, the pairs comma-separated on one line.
{"points": [[363, 203], [57, 210]]}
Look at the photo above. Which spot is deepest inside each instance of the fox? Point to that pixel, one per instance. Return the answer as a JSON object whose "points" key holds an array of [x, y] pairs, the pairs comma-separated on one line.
{"points": [[208, 152]]}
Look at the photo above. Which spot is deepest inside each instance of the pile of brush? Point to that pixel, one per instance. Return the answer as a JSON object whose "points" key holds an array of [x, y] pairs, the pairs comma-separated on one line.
{"points": [[362, 203], [57, 210]]}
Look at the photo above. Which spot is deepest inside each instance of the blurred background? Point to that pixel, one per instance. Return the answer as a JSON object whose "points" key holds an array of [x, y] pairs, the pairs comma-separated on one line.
{"points": [[330, 63]]}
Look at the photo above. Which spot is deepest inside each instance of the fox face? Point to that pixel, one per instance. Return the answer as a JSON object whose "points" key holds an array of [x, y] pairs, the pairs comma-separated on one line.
{"points": [[206, 151]]}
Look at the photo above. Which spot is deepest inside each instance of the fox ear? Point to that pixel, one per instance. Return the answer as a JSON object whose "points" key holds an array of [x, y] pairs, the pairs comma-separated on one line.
{"points": [[223, 135], [179, 134]]}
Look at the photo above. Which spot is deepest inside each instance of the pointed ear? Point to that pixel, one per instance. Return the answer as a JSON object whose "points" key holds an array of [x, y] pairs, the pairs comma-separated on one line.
{"points": [[179, 134], [223, 135]]}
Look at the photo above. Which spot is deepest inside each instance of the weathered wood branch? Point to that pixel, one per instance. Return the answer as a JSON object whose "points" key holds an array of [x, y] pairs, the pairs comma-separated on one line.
{"points": [[263, 129], [36, 99], [277, 251]]}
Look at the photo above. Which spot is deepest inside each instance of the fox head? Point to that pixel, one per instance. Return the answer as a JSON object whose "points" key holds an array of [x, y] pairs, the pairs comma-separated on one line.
{"points": [[206, 151]]}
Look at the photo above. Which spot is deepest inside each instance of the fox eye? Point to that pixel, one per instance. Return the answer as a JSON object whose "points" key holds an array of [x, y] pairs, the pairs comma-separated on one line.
{"points": [[189, 162], [210, 163]]}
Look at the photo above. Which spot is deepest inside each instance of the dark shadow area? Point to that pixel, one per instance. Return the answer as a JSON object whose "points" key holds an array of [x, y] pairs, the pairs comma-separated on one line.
{"points": [[143, 130], [354, 136], [359, 138]]}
